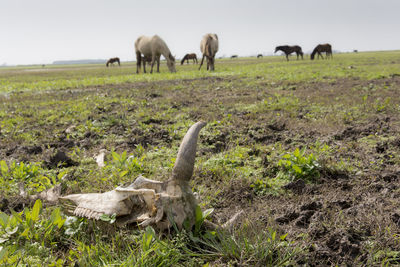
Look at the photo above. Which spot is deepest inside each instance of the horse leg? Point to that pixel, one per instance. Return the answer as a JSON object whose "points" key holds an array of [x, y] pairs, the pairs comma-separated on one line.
{"points": [[201, 63], [158, 64], [138, 61], [208, 63], [287, 57], [212, 63], [153, 59]]}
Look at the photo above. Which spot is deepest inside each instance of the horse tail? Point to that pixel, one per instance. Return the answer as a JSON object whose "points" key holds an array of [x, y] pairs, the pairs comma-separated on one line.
{"points": [[208, 46]]}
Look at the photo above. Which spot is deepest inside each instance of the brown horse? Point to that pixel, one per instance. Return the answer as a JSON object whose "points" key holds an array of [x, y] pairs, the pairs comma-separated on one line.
{"points": [[322, 48], [189, 56], [290, 49], [259, 56], [144, 60], [112, 61], [209, 47]]}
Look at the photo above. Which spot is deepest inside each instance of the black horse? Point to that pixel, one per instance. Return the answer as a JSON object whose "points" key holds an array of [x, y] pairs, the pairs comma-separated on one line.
{"points": [[290, 49], [144, 60], [259, 56], [189, 56], [112, 61], [322, 48]]}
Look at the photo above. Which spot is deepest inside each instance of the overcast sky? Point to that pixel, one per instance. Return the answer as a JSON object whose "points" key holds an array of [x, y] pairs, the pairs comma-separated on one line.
{"points": [[42, 31]]}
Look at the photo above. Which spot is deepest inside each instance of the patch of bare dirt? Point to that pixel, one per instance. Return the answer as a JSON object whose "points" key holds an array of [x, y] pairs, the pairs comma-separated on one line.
{"points": [[16, 203]]}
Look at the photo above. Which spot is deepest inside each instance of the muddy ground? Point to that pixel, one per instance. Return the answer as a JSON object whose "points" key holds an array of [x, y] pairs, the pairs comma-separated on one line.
{"points": [[340, 220]]}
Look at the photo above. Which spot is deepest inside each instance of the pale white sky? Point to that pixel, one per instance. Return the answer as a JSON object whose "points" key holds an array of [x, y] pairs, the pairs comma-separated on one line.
{"points": [[42, 31]]}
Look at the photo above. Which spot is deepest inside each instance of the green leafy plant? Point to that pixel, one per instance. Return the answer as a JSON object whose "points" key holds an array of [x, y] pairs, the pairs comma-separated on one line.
{"points": [[31, 175], [298, 165], [124, 165], [200, 217], [260, 187], [28, 232]]}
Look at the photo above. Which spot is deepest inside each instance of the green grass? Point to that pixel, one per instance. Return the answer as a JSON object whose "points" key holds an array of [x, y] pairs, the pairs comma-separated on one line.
{"points": [[366, 65]]}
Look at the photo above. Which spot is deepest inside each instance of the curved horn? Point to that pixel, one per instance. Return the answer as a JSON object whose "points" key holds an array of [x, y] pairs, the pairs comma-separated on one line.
{"points": [[184, 164]]}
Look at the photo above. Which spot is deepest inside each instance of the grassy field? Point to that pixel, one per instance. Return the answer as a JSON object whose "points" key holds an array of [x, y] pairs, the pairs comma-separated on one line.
{"points": [[308, 149]]}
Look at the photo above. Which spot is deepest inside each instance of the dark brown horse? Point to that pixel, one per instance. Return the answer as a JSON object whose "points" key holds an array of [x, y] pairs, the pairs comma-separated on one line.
{"points": [[113, 60], [144, 60], [322, 48], [290, 49], [189, 56], [259, 56]]}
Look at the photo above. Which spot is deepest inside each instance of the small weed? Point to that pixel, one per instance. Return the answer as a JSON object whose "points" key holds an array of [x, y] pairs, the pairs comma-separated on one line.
{"points": [[260, 187], [124, 165], [298, 165]]}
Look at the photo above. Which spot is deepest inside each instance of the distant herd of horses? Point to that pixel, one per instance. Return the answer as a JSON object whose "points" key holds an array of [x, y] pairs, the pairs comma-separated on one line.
{"points": [[319, 49], [150, 48]]}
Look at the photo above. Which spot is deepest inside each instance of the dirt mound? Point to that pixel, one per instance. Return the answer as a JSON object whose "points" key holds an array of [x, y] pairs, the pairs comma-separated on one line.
{"points": [[16, 203], [378, 126], [60, 158]]}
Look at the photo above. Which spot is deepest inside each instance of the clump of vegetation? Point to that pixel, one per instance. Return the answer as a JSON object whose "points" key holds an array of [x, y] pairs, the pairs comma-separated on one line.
{"points": [[299, 165], [31, 175], [124, 165], [288, 167], [29, 237]]}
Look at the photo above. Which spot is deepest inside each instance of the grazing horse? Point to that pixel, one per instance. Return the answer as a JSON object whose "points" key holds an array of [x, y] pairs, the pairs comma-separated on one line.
{"points": [[112, 61], [234, 56], [153, 47], [290, 49], [189, 56], [209, 47], [321, 48], [259, 56]]}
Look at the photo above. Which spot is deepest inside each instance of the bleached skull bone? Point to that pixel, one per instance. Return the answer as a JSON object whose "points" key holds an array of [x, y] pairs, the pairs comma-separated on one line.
{"points": [[145, 201]]}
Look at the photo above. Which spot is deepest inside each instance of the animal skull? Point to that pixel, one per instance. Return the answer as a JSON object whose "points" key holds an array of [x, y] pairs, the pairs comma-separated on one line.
{"points": [[145, 201]]}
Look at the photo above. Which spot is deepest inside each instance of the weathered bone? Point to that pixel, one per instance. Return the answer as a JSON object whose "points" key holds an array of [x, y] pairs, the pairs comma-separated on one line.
{"points": [[184, 164], [100, 158], [149, 202], [50, 195]]}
